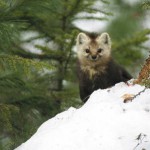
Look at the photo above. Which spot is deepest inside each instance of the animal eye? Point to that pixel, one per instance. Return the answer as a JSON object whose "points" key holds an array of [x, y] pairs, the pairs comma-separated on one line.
{"points": [[99, 50], [87, 50]]}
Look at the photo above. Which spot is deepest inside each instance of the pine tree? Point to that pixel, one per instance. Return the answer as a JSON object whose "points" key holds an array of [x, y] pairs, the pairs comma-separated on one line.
{"points": [[34, 87], [128, 34]]}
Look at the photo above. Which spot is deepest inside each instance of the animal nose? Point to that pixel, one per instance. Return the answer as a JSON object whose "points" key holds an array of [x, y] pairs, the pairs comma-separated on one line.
{"points": [[94, 57]]}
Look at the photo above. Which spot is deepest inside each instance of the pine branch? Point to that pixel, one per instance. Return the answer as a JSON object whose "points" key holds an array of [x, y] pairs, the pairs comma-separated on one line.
{"points": [[91, 18], [134, 40], [6, 112], [14, 61], [94, 10]]}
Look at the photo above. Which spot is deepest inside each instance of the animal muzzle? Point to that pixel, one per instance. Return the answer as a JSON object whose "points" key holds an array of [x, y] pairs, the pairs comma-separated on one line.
{"points": [[93, 57]]}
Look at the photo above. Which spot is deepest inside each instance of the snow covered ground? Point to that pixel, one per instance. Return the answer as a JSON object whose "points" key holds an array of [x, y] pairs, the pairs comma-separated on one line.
{"points": [[104, 122]]}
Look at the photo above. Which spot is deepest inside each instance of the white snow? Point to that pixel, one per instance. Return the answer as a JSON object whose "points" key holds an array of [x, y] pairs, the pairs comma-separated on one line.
{"points": [[104, 122]]}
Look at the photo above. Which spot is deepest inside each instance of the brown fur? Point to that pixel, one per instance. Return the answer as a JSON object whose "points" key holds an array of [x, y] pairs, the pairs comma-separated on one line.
{"points": [[101, 71]]}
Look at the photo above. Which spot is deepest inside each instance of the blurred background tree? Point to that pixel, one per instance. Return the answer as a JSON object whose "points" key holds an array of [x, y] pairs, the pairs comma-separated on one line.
{"points": [[37, 56], [128, 33]]}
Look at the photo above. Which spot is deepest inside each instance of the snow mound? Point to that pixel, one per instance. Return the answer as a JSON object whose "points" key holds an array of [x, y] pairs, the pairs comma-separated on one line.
{"points": [[104, 122]]}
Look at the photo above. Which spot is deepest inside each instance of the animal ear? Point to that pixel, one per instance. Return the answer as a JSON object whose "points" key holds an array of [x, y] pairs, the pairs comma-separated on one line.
{"points": [[82, 38], [105, 39]]}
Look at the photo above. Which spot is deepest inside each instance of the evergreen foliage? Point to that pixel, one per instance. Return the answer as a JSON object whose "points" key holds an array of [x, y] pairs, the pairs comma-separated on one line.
{"points": [[36, 86], [128, 35], [130, 48]]}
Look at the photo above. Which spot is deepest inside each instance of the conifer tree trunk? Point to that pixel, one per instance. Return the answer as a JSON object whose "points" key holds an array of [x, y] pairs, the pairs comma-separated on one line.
{"points": [[144, 75], [60, 62]]}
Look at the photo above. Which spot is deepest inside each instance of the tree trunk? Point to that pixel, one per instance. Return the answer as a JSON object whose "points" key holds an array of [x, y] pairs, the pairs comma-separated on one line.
{"points": [[144, 75]]}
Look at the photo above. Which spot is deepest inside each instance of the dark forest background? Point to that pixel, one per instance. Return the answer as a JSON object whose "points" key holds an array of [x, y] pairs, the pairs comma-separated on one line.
{"points": [[38, 60]]}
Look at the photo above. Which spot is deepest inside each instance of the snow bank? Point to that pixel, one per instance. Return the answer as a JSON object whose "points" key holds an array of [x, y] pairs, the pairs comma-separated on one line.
{"points": [[104, 122]]}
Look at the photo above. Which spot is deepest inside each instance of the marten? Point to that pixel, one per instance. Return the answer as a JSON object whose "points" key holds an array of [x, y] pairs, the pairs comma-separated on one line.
{"points": [[96, 68]]}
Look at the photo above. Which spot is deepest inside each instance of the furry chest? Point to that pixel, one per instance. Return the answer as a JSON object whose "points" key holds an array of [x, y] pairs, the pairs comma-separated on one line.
{"points": [[91, 72]]}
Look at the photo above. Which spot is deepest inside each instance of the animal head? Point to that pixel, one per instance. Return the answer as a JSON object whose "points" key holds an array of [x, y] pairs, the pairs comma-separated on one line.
{"points": [[93, 49]]}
